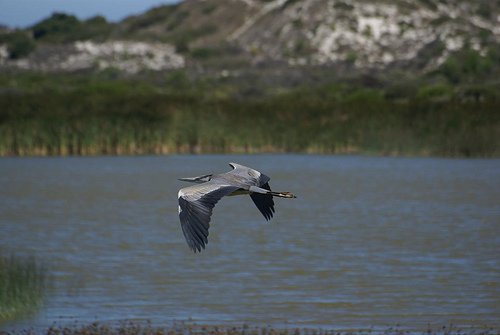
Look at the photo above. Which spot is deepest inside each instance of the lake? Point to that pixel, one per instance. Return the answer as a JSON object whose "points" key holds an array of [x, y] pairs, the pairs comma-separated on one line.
{"points": [[369, 242]]}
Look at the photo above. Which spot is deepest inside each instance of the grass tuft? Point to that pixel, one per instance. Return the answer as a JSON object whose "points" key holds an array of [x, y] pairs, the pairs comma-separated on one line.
{"points": [[22, 286]]}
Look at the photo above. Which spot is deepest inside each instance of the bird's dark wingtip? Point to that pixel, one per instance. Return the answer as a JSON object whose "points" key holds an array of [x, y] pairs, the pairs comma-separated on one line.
{"points": [[269, 215], [197, 248]]}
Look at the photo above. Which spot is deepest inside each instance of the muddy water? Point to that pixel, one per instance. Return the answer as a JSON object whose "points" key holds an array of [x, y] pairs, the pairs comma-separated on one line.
{"points": [[369, 242]]}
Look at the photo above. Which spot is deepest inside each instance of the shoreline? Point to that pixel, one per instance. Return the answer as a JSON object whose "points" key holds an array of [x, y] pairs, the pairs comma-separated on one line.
{"points": [[143, 327], [251, 152]]}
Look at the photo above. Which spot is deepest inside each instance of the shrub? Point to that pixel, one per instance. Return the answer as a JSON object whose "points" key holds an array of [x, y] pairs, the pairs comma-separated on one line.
{"points": [[57, 27], [435, 92], [19, 44], [465, 66]]}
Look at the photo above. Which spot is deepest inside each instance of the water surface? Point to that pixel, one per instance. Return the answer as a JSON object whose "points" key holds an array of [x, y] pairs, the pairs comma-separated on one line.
{"points": [[369, 242]]}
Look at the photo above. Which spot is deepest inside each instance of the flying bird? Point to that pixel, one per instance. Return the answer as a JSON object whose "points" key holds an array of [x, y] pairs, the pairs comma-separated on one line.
{"points": [[196, 202]]}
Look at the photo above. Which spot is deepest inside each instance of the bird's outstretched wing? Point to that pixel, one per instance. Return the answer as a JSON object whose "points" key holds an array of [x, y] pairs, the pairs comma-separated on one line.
{"points": [[195, 208], [264, 202]]}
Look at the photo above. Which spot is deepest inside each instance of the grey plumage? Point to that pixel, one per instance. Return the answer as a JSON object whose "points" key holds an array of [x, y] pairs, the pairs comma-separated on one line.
{"points": [[197, 202]]}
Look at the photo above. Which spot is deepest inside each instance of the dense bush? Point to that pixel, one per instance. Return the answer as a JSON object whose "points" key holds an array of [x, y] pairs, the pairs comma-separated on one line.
{"points": [[19, 44], [57, 27], [63, 28], [468, 65]]}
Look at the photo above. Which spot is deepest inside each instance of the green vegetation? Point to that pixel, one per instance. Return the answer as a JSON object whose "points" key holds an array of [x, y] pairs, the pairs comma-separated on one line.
{"points": [[58, 25], [65, 28], [19, 44], [22, 284], [468, 65], [106, 114], [58, 28]]}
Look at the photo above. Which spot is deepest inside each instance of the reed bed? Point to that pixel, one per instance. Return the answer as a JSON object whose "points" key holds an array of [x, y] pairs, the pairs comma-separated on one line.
{"points": [[22, 286], [121, 120]]}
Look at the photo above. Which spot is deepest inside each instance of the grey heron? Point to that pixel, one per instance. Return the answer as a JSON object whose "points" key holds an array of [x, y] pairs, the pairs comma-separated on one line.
{"points": [[196, 202]]}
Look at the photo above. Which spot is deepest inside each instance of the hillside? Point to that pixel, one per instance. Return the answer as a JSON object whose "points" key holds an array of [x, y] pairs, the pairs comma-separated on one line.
{"points": [[365, 33], [417, 35]]}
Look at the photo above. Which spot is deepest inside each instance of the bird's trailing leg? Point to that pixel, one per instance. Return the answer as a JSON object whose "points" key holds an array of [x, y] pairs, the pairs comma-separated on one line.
{"points": [[274, 194], [288, 195]]}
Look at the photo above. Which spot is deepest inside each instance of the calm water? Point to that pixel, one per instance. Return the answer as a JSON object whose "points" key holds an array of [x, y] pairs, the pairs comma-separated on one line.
{"points": [[370, 242]]}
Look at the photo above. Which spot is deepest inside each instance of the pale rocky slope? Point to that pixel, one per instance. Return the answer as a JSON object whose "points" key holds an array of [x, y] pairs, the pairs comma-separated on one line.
{"points": [[420, 34]]}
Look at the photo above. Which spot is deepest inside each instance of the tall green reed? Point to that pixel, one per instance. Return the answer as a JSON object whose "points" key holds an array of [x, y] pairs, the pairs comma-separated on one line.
{"points": [[95, 120], [22, 286]]}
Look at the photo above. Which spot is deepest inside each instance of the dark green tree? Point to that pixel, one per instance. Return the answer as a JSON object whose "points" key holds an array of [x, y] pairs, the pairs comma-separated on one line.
{"points": [[57, 28], [19, 44]]}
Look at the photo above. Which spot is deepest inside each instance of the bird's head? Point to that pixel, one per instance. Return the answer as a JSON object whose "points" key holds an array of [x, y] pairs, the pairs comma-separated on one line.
{"points": [[198, 180]]}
